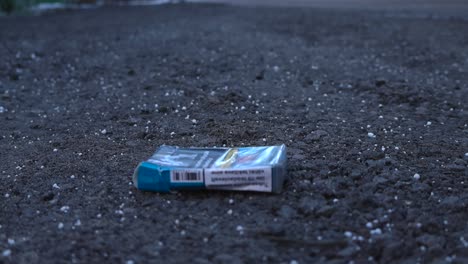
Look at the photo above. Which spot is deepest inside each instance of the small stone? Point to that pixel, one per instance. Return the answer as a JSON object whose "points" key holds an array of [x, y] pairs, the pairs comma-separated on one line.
{"points": [[47, 197], [60, 225], [380, 163], [356, 174], [326, 210], [455, 167], [6, 253], [371, 135], [316, 135], [430, 240], [380, 82], [452, 202], [287, 212], [417, 176], [348, 251], [65, 208], [376, 231]]}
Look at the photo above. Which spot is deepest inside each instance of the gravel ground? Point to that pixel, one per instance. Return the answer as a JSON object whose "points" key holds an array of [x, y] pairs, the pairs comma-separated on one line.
{"points": [[371, 104]]}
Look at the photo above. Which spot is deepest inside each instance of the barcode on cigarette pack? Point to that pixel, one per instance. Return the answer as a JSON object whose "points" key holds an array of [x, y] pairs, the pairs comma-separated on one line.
{"points": [[186, 176]]}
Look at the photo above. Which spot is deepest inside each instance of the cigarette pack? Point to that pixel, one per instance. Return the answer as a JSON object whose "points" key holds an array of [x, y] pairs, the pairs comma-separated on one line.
{"points": [[261, 169]]}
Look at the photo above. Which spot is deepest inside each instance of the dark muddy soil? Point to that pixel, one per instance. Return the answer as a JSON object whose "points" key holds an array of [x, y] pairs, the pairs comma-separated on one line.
{"points": [[371, 104]]}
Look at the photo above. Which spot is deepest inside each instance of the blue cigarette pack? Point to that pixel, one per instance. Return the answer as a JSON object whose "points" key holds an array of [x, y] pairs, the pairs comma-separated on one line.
{"points": [[261, 169]]}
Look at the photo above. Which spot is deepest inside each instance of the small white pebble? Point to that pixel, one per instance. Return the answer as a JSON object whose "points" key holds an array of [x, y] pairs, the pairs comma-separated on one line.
{"points": [[55, 186], [55, 150], [376, 231], [194, 121], [65, 208], [231, 201], [72, 177], [239, 228], [371, 135], [78, 222], [130, 262], [428, 123], [104, 131], [60, 225], [229, 212], [182, 233], [6, 253], [99, 215], [462, 239], [369, 225], [417, 176], [348, 234], [11, 241], [449, 259], [293, 262]]}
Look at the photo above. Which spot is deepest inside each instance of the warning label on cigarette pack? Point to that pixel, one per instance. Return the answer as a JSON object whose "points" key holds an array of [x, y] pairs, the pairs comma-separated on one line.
{"points": [[245, 179]]}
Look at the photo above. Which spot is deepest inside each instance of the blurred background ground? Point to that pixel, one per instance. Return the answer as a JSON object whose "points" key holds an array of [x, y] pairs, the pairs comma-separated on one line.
{"points": [[437, 6]]}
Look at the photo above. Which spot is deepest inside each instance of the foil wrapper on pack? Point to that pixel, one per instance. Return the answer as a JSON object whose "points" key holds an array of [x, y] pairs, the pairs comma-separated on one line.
{"points": [[261, 169]]}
